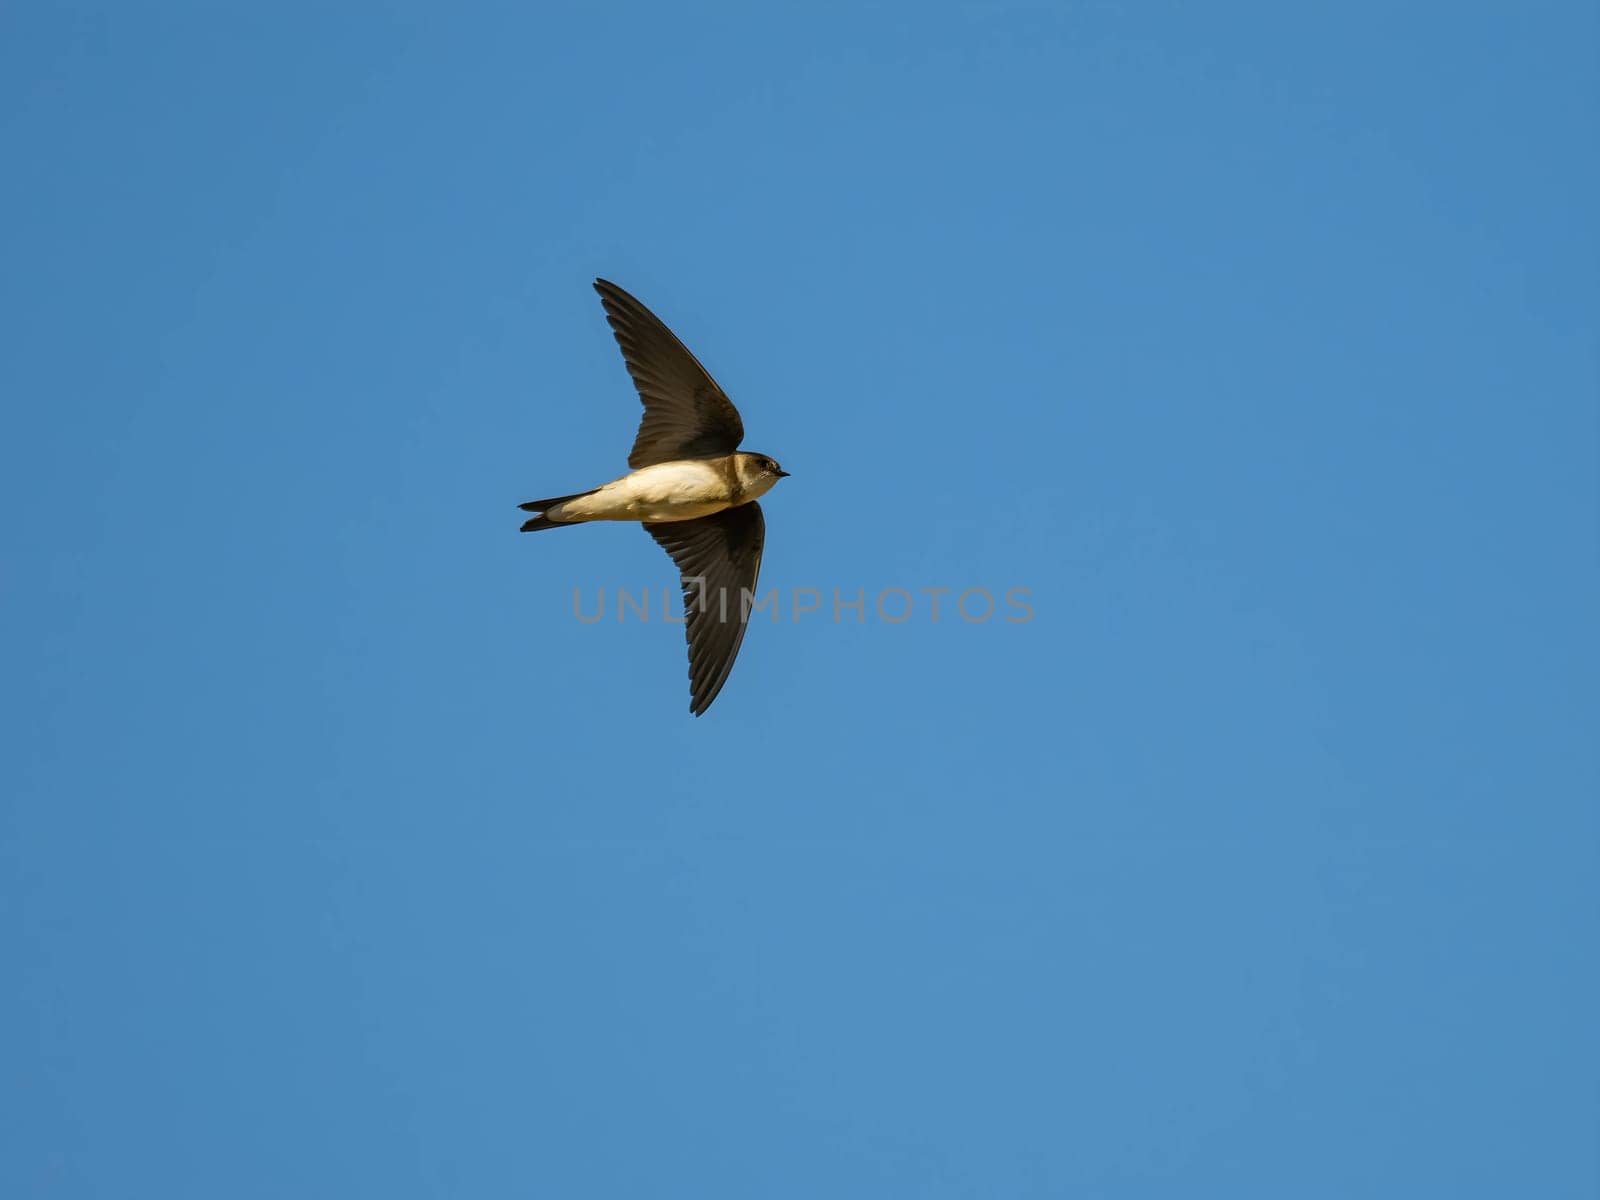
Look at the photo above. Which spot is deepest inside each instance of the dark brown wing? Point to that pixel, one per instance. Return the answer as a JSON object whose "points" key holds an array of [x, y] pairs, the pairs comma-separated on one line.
{"points": [[719, 558], [686, 415]]}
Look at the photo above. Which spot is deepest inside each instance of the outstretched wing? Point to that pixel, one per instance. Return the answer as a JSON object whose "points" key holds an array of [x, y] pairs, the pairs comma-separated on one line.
{"points": [[719, 558], [686, 415]]}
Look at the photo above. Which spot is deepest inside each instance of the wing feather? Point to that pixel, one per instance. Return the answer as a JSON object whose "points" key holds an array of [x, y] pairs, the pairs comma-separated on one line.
{"points": [[686, 415], [719, 560]]}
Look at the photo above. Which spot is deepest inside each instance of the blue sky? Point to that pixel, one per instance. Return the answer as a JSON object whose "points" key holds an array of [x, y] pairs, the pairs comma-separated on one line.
{"points": [[1256, 341]]}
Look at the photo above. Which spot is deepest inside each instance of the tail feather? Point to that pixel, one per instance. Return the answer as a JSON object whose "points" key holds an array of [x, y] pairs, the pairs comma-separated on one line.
{"points": [[539, 506], [542, 522]]}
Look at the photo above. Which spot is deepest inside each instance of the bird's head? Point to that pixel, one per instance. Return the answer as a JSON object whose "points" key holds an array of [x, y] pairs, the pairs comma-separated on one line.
{"points": [[757, 473]]}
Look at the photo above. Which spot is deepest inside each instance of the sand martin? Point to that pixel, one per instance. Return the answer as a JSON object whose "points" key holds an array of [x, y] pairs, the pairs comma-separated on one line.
{"points": [[691, 487]]}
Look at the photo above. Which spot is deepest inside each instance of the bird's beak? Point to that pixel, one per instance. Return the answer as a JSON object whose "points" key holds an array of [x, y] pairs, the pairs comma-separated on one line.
{"points": [[783, 474]]}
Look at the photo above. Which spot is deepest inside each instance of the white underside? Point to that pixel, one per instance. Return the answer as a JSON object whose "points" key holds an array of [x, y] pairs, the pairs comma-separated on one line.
{"points": [[672, 491]]}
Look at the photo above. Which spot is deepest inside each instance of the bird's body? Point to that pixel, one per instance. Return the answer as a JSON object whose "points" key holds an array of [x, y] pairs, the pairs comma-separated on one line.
{"points": [[680, 490], [691, 488]]}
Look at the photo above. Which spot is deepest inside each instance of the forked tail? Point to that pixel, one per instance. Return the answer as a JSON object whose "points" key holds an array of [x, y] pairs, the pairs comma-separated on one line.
{"points": [[541, 506]]}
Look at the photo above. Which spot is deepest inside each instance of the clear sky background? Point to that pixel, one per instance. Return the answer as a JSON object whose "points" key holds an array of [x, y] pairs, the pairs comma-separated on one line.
{"points": [[1257, 340]]}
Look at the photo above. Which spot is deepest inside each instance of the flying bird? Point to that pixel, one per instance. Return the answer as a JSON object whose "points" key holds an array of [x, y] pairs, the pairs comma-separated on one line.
{"points": [[690, 486]]}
